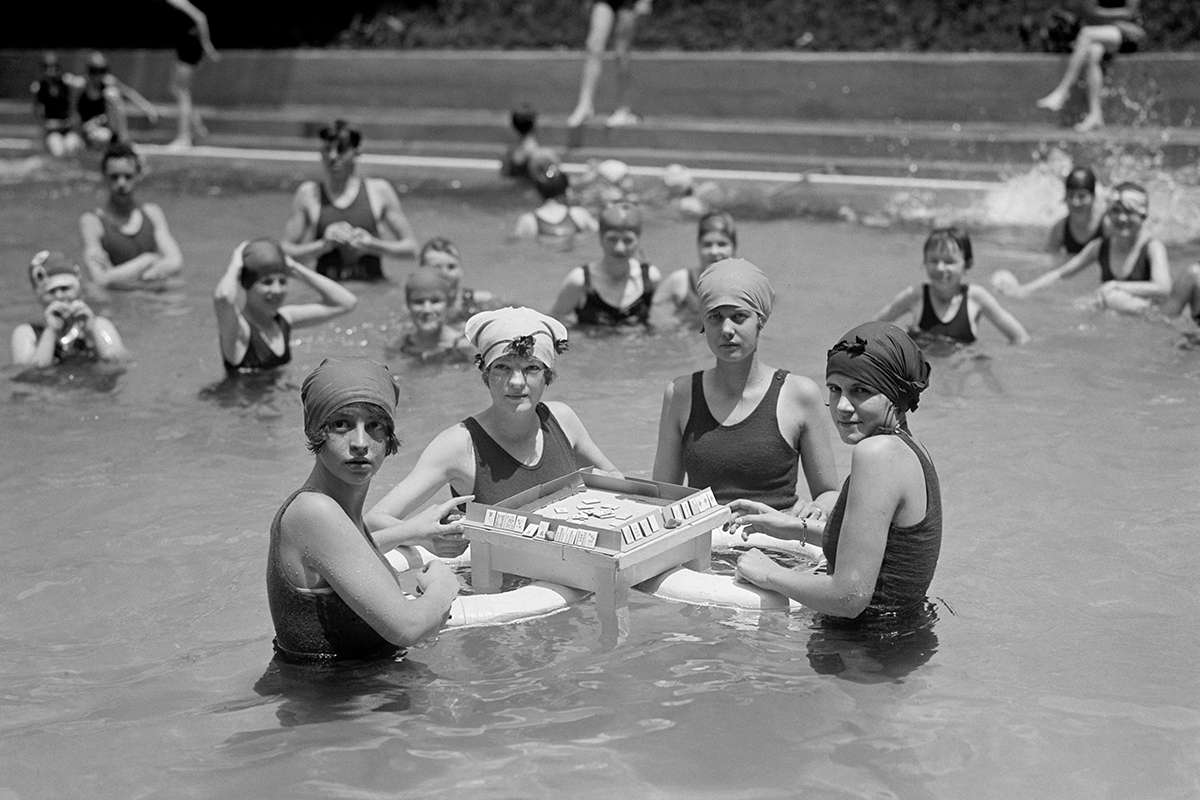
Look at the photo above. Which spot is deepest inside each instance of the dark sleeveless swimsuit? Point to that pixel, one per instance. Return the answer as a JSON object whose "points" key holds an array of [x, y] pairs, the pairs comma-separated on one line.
{"points": [[498, 476], [1069, 242], [311, 625], [342, 263], [959, 326], [188, 47], [122, 247], [80, 349], [910, 555], [54, 97], [595, 311], [259, 355], [749, 459], [90, 107], [1141, 267]]}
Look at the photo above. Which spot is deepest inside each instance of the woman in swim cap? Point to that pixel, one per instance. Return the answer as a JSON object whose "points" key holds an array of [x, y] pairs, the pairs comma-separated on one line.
{"points": [[743, 428], [69, 330], [618, 290], [556, 222], [255, 332], [429, 336], [332, 593], [1134, 271], [516, 443], [441, 254], [716, 240], [1084, 214], [883, 537]]}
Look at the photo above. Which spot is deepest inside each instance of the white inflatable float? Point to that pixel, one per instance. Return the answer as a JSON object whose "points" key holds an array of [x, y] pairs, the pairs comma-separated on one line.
{"points": [[536, 599], [683, 585], [680, 585]]}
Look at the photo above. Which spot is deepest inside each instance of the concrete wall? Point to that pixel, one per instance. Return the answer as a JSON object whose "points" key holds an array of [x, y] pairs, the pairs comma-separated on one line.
{"points": [[812, 86]]}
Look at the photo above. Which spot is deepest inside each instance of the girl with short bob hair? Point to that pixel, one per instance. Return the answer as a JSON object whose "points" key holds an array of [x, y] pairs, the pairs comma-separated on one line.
{"points": [[332, 594]]}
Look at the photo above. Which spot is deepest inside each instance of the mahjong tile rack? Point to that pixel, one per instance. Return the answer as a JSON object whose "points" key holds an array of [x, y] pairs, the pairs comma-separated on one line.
{"points": [[594, 532]]}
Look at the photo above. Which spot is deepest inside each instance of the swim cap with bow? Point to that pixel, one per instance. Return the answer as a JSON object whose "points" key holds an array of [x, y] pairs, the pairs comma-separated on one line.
{"points": [[884, 357], [1132, 197], [50, 269], [516, 331], [338, 382], [735, 282]]}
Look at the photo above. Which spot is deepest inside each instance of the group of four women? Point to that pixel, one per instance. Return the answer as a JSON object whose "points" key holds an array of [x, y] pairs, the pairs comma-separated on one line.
{"points": [[744, 428]]}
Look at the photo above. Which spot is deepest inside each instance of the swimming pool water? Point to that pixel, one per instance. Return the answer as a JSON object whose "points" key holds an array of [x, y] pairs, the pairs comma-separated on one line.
{"points": [[136, 641]]}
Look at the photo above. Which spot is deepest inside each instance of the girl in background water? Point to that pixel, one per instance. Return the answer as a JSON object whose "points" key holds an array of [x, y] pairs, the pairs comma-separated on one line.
{"points": [[1084, 215], [253, 323], [716, 240], [946, 306], [618, 290]]}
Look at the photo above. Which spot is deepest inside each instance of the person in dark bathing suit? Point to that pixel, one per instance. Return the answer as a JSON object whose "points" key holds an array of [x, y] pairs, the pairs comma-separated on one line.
{"points": [[743, 428], [346, 222], [127, 244], [883, 537], [1134, 270], [617, 290], [332, 594], [254, 332], [946, 306], [69, 330], [1084, 216], [516, 443]]}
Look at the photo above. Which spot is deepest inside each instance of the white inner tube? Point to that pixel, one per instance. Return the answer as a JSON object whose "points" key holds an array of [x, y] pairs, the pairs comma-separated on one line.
{"points": [[683, 585], [537, 599]]}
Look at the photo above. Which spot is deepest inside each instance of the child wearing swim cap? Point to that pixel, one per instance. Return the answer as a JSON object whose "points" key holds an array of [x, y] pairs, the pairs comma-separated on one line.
{"points": [[946, 306], [1084, 215], [716, 240], [556, 222], [69, 330], [618, 290], [516, 160], [429, 336], [441, 254], [254, 323], [332, 594], [1134, 271]]}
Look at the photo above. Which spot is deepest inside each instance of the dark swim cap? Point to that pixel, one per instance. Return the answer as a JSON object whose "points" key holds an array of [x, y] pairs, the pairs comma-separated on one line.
{"points": [[260, 258], [621, 217], [338, 382], [1081, 178], [884, 357], [717, 221], [551, 182]]}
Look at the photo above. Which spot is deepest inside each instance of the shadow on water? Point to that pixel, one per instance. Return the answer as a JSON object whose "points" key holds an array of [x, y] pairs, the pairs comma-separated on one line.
{"points": [[320, 692], [259, 392], [98, 377]]}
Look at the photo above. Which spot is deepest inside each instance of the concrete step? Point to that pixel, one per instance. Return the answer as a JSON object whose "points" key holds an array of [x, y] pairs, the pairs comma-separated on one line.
{"points": [[972, 151]]}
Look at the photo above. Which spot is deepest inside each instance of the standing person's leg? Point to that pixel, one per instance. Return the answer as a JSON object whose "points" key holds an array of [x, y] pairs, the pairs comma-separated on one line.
{"points": [[1090, 40], [599, 27], [114, 111], [181, 88], [623, 46]]}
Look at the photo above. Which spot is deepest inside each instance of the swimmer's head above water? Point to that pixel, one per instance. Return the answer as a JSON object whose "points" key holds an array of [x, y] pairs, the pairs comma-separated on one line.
{"points": [[51, 273], [551, 182], [516, 331], [1080, 179], [736, 282], [949, 241], [1131, 197], [340, 382], [621, 217], [883, 357], [261, 258]]}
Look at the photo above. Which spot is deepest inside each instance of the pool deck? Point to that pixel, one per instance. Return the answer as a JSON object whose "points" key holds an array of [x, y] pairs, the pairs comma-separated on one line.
{"points": [[967, 117]]}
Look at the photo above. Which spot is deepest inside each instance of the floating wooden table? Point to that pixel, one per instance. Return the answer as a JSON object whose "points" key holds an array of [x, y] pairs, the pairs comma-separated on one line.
{"points": [[593, 532]]}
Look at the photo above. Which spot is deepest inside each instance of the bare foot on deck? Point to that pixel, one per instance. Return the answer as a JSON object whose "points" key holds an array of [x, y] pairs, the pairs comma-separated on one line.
{"points": [[1089, 123], [1053, 101]]}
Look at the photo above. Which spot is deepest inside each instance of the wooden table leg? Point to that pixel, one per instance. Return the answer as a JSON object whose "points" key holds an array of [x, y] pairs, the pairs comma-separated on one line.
{"points": [[484, 579]]}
